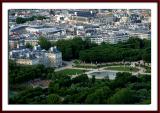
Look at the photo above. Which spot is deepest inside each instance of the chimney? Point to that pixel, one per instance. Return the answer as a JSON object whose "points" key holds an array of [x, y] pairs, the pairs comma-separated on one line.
{"points": [[17, 45], [51, 48], [91, 12], [75, 13]]}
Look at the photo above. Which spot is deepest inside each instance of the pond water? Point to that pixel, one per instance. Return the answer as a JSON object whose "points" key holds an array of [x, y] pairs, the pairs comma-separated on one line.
{"points": [[103, 74]]}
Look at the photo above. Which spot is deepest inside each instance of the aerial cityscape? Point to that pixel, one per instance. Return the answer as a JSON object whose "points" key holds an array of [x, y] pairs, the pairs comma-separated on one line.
{"points": [[79, 56]]}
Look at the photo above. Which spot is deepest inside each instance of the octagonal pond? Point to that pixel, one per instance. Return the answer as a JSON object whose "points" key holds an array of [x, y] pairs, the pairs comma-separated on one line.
{"points": [[103, 74]]}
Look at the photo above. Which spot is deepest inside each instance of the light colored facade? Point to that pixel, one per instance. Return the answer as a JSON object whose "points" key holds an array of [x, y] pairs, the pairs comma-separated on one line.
{"points": [[54, 60], [141, 35], [13, 43], [54, 57], [97, 40], [27, 61], [32, 42], [51, 58]]}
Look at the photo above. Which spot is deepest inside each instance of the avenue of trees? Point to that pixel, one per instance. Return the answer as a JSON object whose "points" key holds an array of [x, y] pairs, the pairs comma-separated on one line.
{"points": [[21, 20], [133, 50], [70, 48]]}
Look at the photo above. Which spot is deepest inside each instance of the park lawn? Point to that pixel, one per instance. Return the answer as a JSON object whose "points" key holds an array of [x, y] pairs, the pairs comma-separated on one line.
{"points": [[86, 66], [122, 68], [96, 66], [70, 71], [117, 65]]}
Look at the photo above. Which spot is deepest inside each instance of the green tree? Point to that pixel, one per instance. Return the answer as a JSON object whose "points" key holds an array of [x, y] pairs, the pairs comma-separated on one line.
{"points": [[121, 80], [27, 96], [100, 96], [132, 50], [28, 45], [20, 20], [53, 99], [70, 48], [81, 79], [147, 55], [52, 12], [44, 43], [93, 79], [123, 96], [40, 17]]}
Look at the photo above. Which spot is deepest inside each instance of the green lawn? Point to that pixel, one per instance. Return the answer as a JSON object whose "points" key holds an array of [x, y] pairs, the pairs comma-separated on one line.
{"points": [[70, 71], [86, 66], [122, 68], [95, 66], [118, 65]]}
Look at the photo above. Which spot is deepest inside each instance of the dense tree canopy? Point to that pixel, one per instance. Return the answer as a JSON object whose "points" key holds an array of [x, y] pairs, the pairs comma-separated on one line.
{"points": [[23, 73], [125, 89], [70, 48], [28, 96], [28, 45], [53, 99], [122, 96], [21, 20], [44, 43], [133, 50]]}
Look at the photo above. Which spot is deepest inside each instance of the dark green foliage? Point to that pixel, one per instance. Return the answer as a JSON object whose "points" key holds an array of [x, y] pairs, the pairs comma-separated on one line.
{"points": [[99, 96], [23, 73], [123, 96], [53, 99], [70, 48], [29, 96], [52, 12], [93, 79], [121, 80], [44, 43], [12, 64], [81, 79], [40, 17], [125, 89], [28, 45], [147, 55], [133, 50], [20, 20]]}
